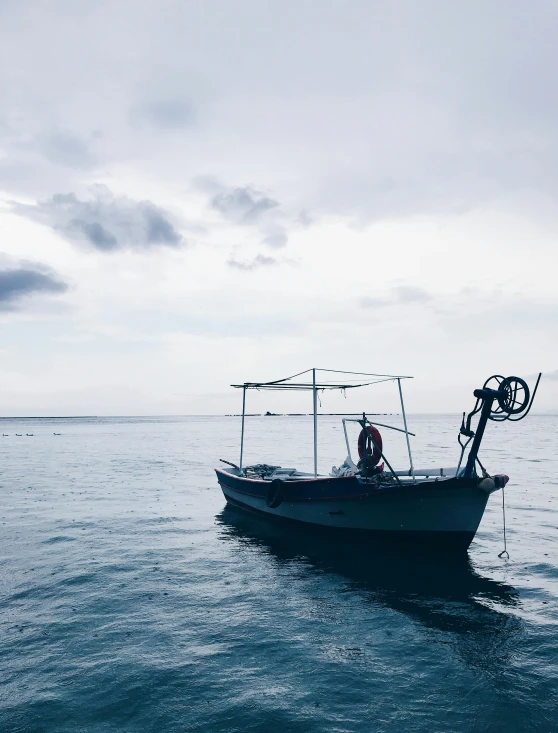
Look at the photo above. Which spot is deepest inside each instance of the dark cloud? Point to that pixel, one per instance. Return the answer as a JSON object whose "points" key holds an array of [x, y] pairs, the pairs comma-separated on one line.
{"points": [[246, 206], [105, 222], [400, 295], [243, 205], [165, 114], [95, 233], [28, 279], [248, 265]]}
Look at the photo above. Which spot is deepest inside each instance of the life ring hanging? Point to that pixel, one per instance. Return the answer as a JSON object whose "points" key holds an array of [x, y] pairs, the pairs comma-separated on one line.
{"points": [[373, 441]]}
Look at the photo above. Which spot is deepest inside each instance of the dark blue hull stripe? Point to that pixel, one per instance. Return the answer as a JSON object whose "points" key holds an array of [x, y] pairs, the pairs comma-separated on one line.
{"points": [[335, 489]]}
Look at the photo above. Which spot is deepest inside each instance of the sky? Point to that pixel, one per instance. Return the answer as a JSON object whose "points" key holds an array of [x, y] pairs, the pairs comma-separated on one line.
{"points": [[200, 193]]}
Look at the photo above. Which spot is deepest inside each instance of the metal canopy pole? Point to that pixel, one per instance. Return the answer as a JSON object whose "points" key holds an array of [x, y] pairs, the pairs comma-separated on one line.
{"points": [[315, 395], [242, 433], [347, 440], [406, 431]]}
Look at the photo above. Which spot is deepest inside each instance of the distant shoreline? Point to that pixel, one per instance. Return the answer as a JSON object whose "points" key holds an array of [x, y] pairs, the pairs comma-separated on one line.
{"points": [[70, 417], [138, 417], [308, 414]]}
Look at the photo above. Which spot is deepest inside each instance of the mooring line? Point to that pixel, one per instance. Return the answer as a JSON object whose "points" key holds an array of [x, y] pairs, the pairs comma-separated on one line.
{"points": [[505, 550]]}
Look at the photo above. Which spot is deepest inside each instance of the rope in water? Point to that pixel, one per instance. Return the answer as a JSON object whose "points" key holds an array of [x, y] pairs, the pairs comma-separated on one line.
{"points": [[505, 550]]}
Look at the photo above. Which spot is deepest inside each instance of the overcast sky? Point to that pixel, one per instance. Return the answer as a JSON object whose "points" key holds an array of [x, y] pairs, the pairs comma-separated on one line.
{"points": [[196, 193]]}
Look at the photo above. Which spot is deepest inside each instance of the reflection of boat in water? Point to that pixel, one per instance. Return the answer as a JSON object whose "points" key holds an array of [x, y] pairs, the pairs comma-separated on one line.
{"points": [[437, 506], [446, 600], [443, 592], [423, 631]]}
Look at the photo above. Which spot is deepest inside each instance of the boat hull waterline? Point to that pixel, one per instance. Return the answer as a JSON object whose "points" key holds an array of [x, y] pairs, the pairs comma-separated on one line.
{"points": [[445, 512]]}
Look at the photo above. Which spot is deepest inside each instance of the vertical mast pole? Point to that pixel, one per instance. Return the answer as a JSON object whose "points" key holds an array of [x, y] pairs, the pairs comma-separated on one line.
{"points": [[242, 431], [315, 396], [406, 431]]}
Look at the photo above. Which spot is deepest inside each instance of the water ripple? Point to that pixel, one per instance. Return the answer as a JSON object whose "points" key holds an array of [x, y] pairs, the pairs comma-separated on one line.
{"points": [[131, 599]]}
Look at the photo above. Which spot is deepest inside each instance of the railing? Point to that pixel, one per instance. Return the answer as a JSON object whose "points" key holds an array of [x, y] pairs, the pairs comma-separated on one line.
{"points": [[447, 472]]}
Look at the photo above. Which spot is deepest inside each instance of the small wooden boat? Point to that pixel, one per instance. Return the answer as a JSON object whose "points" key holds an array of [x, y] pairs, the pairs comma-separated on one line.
{"points": [[441, 506]]}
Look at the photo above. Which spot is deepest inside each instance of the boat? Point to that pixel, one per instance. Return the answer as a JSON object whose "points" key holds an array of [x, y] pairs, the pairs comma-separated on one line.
{"points": [[439, 507]]}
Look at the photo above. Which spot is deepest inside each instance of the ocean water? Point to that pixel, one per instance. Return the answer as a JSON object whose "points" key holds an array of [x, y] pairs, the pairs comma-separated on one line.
{"points": [[132, 600]]}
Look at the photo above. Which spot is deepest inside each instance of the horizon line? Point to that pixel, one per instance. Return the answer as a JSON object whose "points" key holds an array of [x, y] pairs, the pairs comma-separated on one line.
{"points": [[228, 414]]}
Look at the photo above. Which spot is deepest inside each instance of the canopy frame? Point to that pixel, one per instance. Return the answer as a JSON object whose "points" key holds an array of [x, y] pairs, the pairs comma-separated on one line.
{"points": [[314, 386]]}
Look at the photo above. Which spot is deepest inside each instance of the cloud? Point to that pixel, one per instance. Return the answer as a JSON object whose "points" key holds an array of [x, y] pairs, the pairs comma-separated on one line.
{"points": [[105, 221], [164, 114], [305, 219], [243, 205], [277, 239], [249, 265], [400, 295], [401, 120], [65, 148], [246, 206], [26, 280]]}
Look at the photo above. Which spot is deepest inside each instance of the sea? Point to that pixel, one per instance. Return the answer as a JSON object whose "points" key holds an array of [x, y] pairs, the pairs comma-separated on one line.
{"points": [[133, 600]]}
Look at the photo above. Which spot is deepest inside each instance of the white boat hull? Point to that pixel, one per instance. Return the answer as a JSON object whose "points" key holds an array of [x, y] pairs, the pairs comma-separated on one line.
{"points": [[425, 512]]}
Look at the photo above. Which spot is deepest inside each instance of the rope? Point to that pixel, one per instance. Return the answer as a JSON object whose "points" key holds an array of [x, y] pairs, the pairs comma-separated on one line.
{"points": [[505, 550], [485, 473]]}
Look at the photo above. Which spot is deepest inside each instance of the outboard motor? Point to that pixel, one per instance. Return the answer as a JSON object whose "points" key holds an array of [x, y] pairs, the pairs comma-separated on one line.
{"points": [[501, 398]]}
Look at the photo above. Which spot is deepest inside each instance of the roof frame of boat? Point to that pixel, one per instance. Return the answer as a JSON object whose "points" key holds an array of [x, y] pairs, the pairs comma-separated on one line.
{"points": [[287, 384], [315, 385]]}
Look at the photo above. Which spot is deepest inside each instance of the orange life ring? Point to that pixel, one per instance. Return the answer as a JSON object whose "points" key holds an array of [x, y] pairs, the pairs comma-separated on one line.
{"points": [[373, 441]]}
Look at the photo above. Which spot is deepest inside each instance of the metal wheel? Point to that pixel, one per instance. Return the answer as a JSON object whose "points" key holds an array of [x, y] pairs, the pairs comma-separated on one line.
{"points": [[497, 382], [516, 396]]}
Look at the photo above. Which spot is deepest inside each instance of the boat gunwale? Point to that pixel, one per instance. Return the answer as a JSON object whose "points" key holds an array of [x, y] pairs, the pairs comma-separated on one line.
{"points": [[372, 490]]}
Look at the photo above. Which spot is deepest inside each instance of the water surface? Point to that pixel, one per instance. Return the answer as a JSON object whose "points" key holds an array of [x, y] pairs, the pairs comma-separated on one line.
{"points": [[131, 599]]}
